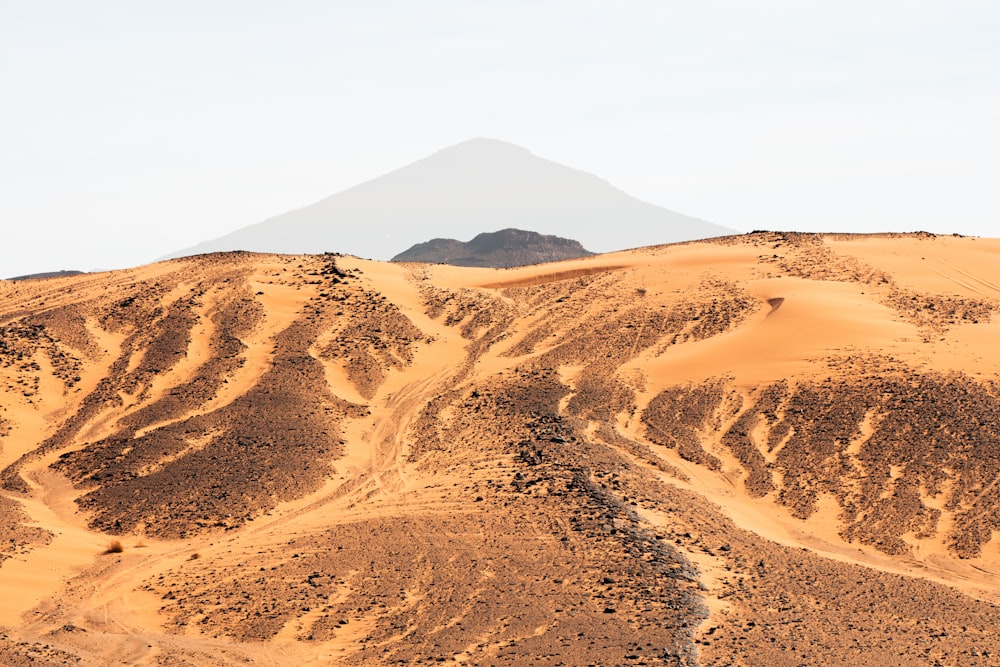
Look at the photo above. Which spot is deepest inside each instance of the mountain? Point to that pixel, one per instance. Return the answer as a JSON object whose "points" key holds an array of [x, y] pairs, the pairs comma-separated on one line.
{"points": [[502, 249], [47, 274], [769, 449], [474, 186]]}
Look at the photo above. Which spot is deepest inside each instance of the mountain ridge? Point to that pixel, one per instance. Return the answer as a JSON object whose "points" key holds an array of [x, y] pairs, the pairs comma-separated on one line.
{"points": [[470, 187]]}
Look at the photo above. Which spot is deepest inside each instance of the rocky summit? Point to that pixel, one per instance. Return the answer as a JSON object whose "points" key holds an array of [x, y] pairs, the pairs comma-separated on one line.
{"points": [[769, 449], [499, 250]]}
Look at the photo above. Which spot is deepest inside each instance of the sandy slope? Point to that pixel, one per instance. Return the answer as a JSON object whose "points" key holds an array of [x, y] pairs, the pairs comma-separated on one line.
{"points": [[770, 449]]}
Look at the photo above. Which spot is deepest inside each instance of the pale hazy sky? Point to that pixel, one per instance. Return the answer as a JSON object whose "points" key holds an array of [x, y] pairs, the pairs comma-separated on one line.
{"points": [[131, 128]]}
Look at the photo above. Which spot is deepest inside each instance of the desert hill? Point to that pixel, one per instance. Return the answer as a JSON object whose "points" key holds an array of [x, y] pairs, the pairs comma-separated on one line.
{"points": [[498, 250], [46, 274], [766, 449], [474, 186]]}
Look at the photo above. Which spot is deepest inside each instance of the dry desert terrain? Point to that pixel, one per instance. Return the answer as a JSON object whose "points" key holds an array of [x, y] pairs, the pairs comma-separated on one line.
{"points": [[771, 449]]}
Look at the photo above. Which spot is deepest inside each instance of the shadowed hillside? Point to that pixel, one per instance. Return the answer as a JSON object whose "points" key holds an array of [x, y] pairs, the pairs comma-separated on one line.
{"points": [[48, 274], [759, 450]]}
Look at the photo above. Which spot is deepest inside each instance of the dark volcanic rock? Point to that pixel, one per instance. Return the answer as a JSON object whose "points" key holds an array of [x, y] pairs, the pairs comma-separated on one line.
{"points": [[47, 274], [502, 249]]}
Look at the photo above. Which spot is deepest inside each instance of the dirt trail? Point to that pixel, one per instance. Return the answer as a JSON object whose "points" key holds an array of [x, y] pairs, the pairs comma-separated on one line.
{"points": [[388, 447], [41, 572], [74, 583]]}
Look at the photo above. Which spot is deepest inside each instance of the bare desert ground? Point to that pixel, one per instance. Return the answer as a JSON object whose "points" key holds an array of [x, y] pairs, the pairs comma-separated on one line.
{"points": [[771, 449]]}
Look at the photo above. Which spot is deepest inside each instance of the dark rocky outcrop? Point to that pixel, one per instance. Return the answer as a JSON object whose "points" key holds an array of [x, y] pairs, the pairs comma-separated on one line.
{"points": [[502, 249], [47, 274]]}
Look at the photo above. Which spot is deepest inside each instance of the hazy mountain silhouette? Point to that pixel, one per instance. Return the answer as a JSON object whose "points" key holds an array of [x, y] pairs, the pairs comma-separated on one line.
{"points": [[474, 186], [502, 249]]}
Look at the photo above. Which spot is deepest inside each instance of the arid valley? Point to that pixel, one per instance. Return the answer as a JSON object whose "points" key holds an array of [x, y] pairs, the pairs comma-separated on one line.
{"points": [[768, 449]]}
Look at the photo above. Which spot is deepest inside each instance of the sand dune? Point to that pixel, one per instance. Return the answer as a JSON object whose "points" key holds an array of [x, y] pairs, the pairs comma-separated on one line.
{"points": [[759, 450]]}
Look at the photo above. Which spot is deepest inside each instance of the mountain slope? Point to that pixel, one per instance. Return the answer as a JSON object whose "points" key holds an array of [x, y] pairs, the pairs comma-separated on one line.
{"points": [[502, 249], [767, 449], [46, 274], [475, 186]]}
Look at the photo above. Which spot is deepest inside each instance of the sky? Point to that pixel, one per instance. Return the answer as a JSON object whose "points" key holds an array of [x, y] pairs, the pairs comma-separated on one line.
{"points": [[132, 128]]}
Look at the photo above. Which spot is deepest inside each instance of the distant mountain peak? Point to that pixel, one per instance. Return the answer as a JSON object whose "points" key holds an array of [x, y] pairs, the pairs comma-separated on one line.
{"points": [[476, 185], [486, 144]]}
